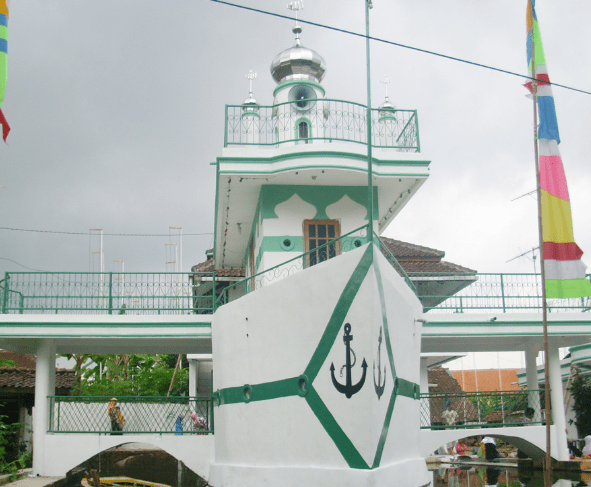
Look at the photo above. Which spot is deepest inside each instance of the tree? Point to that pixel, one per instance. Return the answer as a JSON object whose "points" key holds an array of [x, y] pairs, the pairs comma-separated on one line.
{"points": [[133, 375], [581, 391]]}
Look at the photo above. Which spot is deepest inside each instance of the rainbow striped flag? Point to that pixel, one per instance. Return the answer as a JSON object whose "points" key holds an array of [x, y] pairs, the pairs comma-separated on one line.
{"points": [[564, 270]]}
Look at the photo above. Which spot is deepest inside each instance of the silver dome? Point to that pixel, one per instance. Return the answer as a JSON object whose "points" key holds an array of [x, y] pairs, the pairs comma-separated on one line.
{"points": [[298, 63]]}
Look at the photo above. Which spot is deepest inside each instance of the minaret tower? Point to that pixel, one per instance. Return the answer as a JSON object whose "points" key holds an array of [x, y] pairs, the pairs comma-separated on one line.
{"points": [[298, 72], [250, 114]]}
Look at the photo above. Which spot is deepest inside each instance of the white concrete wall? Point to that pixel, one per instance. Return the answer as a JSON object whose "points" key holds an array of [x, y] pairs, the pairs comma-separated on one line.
{"points": [[271, 335], [66, 451]]}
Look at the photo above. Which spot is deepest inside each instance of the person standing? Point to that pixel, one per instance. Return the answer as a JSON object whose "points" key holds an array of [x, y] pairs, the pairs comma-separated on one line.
{"points": [[116, 417]]}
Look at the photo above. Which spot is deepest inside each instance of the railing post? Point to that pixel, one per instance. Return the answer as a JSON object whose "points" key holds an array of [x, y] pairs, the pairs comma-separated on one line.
{"points": [[110, 293], [5, 296], [503, 293], [213, 294]]}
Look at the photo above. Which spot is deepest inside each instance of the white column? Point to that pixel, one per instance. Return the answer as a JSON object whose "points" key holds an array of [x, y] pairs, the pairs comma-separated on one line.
{"points": [[193, 377], [531, 372], [558, 413], [44, 386]]}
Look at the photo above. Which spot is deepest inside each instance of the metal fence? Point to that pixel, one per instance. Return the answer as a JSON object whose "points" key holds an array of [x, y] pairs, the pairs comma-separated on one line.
{"points": [[329, 120], [103, 293], [486, 292], [460, 410], [162, 415]]}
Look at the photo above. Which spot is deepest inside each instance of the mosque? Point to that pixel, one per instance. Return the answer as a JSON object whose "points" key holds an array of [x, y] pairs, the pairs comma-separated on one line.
{"points": [[318, 340]]}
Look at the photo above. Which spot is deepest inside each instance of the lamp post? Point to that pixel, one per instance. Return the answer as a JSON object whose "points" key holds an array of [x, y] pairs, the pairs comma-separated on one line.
{"points": [[368, 5]]}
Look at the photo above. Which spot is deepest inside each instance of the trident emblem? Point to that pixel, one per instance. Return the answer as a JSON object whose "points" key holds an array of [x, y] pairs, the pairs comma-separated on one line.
{"points": [[378, 386], [348, 389]]}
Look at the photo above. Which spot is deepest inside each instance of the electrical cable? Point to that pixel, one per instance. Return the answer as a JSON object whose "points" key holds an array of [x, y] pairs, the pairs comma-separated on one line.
{"points": [[392, 43], [109, 234]]}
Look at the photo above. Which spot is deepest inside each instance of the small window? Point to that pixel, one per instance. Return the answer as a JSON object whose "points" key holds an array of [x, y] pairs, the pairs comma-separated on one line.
{"points": [[303, 131], [317, 233]]}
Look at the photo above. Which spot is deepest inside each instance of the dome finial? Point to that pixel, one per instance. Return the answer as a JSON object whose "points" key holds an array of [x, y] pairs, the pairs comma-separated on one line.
{"points": [[296, 6], [250, 101], [386, 106]]}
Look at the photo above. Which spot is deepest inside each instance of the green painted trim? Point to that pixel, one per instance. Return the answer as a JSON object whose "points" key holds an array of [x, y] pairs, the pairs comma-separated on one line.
{"points": [[103, 324], [406, 388], [250, 113], [359, 169], [533, 334], [321, 154], [330, 425], [321, 197], [384, 314], [385, 428], [296, 130], [261, 392], [287, 84], [339, 314], [85, 335], [498, 325]]}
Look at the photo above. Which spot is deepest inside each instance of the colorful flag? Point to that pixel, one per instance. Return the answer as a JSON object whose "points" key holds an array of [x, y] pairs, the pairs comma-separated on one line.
{"points": [[4, 125], [563, 268], [3, 47]]}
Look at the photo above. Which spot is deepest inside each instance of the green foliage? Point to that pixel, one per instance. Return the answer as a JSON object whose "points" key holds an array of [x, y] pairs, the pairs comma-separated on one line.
{"points": [[12, 456], [4, 362], [581, 390], [131, 375]]}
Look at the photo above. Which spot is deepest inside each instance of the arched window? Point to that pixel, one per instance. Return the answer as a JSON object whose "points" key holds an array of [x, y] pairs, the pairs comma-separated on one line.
{"points": [[303, 131]]}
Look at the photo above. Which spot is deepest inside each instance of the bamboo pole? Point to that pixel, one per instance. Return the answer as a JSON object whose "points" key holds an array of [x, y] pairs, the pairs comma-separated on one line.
{"points": [[548, 460]]}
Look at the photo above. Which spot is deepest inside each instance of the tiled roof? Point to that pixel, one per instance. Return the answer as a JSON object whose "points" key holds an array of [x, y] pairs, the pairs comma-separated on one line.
{"points": [[488, 379], [447, 383], [22, 359], [404, 250], [22, 379], [416, 258], [412, 258], [209, 266]]}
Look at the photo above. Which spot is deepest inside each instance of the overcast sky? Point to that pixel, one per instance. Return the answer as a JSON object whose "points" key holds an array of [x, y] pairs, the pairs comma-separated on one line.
{"points": [[117, 111]]}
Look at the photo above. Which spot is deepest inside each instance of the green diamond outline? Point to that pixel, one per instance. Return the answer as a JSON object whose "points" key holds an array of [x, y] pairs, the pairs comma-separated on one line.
{"points": [[327, 420], [289, 387]]}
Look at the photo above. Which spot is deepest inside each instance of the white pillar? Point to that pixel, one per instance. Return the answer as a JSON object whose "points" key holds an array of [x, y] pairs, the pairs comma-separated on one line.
{"points": [[558, 413], [531, 372], [193, 377], [44, 386]]}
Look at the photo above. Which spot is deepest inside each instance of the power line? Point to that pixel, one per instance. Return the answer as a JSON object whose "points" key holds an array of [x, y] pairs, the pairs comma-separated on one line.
{"points": [[15, 262], [109, 234], [384, 41]]}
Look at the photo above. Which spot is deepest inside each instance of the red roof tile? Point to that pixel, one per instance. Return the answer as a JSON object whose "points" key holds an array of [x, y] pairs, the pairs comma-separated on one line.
{"points": [[488, 379]]}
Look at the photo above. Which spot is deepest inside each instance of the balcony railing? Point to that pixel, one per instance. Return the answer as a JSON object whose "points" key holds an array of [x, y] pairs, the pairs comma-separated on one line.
{"points": [[157, 415], [103, 293], [459, 410], [328, 121], [488, 292], [182, 293]]}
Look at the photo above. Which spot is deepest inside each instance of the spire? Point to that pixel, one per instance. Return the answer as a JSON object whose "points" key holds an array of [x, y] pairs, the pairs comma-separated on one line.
{"points": [[386, 106], [297, 29], [250, 103]]}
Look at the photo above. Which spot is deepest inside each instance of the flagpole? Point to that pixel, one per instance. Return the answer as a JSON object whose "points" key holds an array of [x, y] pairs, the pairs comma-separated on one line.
{"points": [[370, 230], [548, 462]]}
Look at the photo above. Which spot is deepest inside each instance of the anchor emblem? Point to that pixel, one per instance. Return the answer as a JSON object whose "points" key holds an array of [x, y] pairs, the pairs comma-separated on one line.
{"points": [[348, 389], [378, 386]]}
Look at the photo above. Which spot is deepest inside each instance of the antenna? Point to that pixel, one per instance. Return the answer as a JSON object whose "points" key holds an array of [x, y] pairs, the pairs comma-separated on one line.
{"points": [[526, 194], [533, 258]]}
